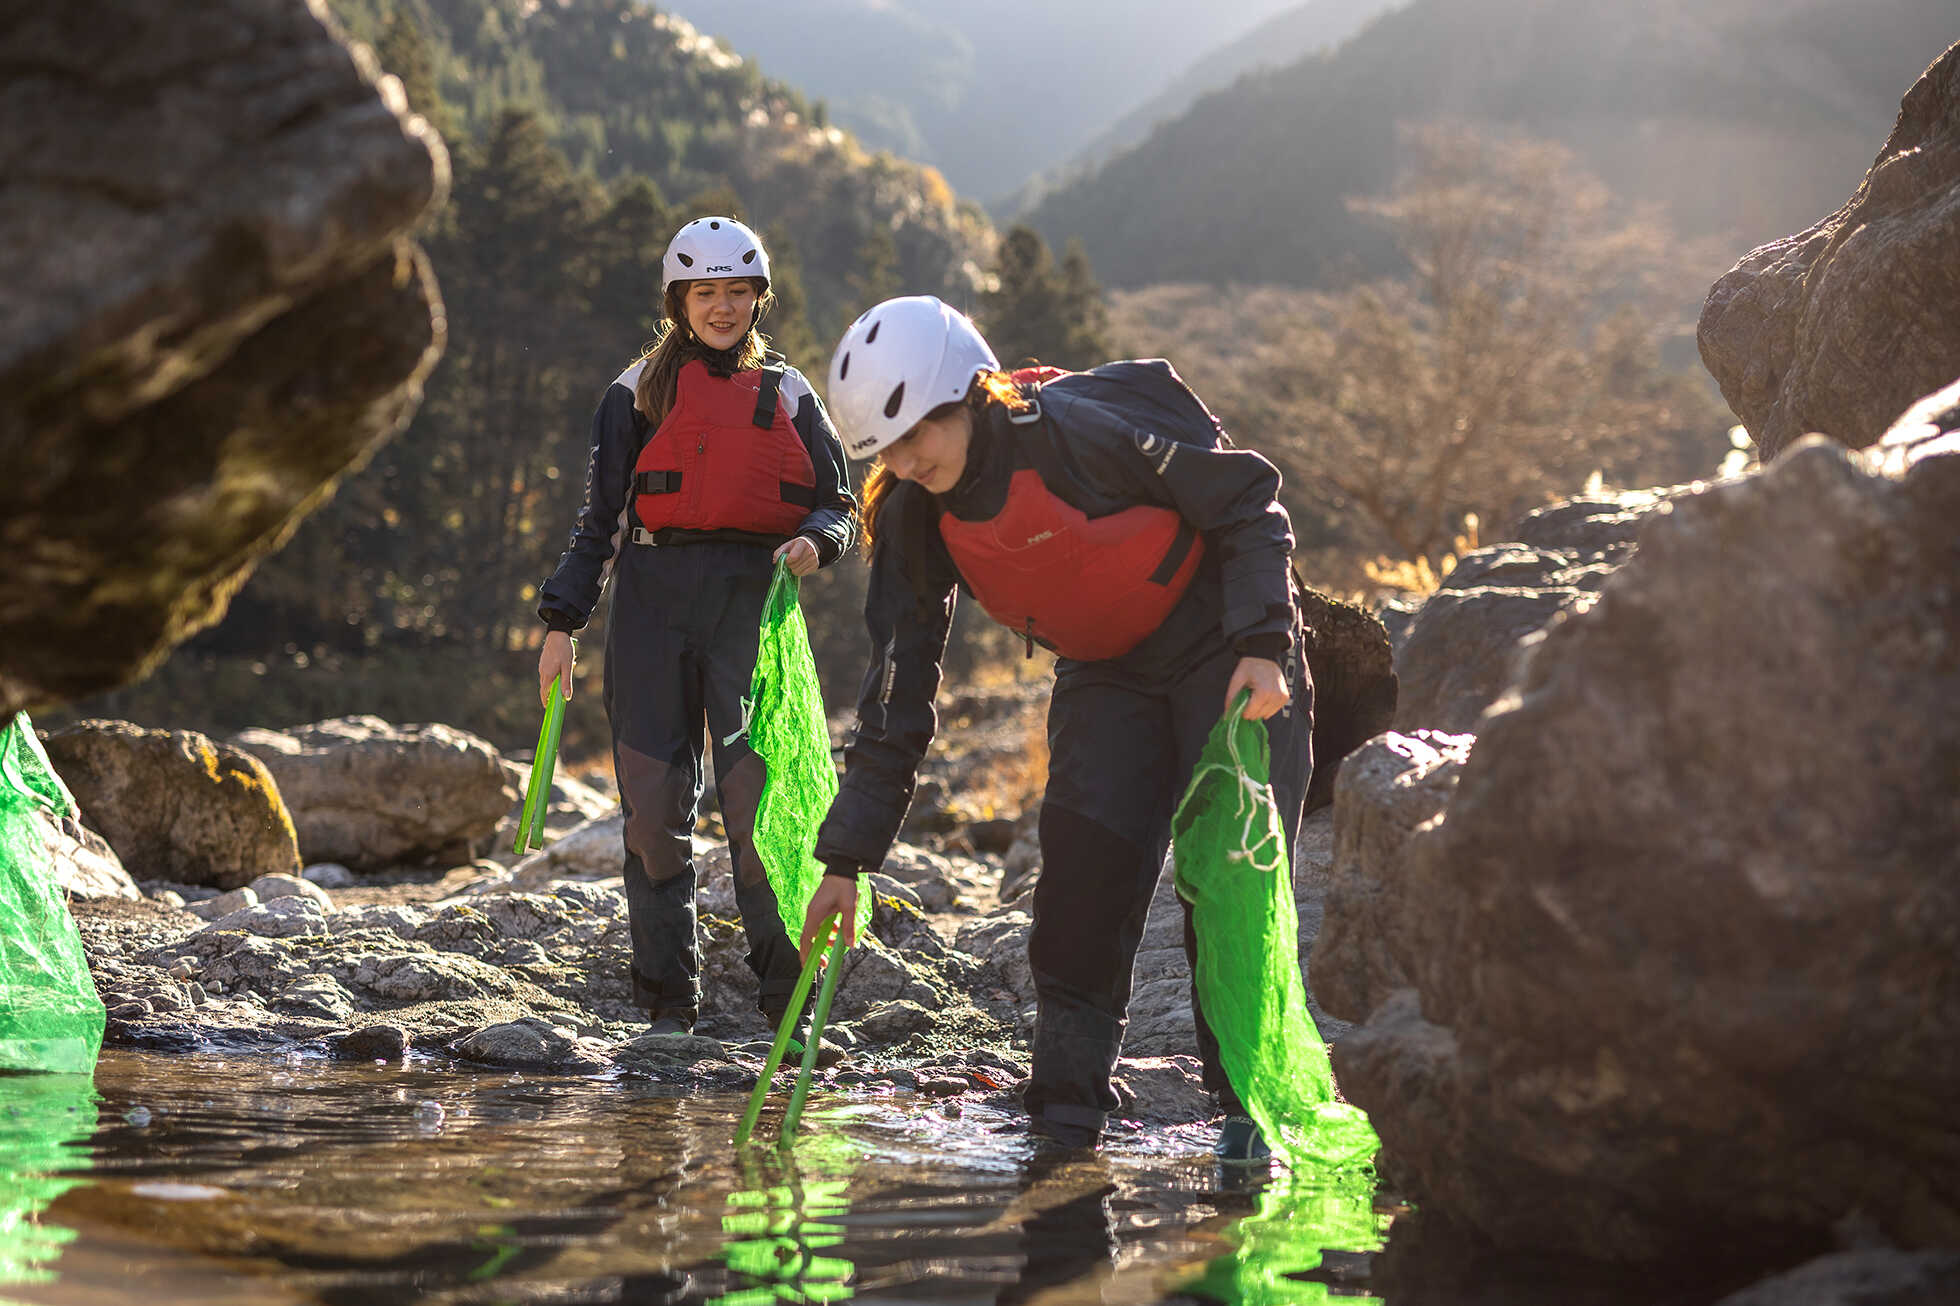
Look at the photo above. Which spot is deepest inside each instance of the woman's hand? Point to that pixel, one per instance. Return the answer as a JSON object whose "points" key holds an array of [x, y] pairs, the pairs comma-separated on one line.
{"points": [[835, 894], [554, 660], [1267, 683], [801, 554]]}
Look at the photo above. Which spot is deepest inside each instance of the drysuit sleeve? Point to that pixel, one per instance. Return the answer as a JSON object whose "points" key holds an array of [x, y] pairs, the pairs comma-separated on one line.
{"points": [[1230, 495], [908, 610], [566, 600], [832, 524]]}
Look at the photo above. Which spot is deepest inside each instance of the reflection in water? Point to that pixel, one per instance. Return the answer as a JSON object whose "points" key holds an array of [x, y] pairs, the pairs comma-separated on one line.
{"points": [[42, 1118], [780, 1230], [269, 1180], [1300, 1217]]}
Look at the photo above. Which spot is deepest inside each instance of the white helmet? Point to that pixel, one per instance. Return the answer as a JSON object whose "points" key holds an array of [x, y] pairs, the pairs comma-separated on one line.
{"points": [[713, 247], [897, 363]]}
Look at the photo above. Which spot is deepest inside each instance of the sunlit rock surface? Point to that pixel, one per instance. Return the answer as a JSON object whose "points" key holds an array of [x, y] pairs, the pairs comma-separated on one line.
{"points": [[175, 805], [1678, 948], [371, 795], [209, 311], [1838, 328]]}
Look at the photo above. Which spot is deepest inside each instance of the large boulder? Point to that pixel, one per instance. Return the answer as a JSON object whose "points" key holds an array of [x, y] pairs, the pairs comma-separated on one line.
{"points": [[371, 795], [175, 805], [209, 312], [1678, 948], [1838, 328], [1460, 649], [83, 863]]}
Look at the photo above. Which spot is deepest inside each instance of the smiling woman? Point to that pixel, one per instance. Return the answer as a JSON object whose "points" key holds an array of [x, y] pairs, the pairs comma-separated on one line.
{"points": [[718, 460]]}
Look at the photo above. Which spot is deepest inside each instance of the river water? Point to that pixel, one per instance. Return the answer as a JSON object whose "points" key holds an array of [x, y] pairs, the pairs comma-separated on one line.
{"points": [[215, 1179]]}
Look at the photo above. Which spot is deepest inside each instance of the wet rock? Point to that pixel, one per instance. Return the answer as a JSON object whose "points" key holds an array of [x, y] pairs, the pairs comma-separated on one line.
{"points": [[528, 1044], [1685, 924], [222, 309], [1163, 1090], [1879, 1277], [1839, 328], [371, 795], [1354, 688], [176, 804], [667, 1051], [269, 887], [318, 997], [83, 864]]}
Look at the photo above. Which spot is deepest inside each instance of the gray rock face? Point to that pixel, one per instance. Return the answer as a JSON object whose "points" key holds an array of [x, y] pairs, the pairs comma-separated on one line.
{"points": [[1865, 1278], [1679, 946], [1838, 328], [84, 865], [176, 805], [1461, 647], [371, 795], [208, 313]]}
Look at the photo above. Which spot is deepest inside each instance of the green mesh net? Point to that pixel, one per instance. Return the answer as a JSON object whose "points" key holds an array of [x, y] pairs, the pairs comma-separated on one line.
{"points": [[1298, 1220], [51, 1019], [45, 1124], [788, 732], [1233, 867]]}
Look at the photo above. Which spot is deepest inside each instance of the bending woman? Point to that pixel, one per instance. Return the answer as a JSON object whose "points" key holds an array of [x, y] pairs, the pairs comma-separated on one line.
{"points": [[1103, 515]]}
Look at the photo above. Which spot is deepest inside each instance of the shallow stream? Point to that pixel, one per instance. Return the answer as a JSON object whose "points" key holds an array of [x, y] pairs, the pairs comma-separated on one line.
{"points": [[214, 1179]]}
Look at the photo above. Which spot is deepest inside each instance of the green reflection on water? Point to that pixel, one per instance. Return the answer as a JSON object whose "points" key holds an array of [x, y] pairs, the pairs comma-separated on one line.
{"points": [[780, 1219], [41, 1116], [1300, 1217]]}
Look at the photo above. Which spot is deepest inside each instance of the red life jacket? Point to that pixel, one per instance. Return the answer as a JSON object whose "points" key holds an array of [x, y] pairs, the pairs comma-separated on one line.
{"points": [[725, 458], [1087, 588]]}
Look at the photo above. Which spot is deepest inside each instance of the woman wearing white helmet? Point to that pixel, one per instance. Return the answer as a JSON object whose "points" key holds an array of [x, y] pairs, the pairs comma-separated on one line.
{"points": [[1104, 515], [710, 458]]}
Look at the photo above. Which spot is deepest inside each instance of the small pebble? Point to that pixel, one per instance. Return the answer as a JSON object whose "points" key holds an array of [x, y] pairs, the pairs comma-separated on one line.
{"points": [[138, 1116]]}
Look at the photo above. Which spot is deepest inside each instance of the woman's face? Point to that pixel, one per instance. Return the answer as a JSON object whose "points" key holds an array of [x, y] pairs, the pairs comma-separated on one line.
{"points": [[933, 453], [719, 311]]}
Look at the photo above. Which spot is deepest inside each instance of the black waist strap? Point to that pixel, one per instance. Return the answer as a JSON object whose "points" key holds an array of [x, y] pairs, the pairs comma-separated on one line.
{"points": [[670, 536], [1174, 557], [657, 483]]}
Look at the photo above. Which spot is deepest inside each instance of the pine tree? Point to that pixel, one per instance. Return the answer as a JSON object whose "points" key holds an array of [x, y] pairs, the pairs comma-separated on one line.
{"points": [[1037, 313]]}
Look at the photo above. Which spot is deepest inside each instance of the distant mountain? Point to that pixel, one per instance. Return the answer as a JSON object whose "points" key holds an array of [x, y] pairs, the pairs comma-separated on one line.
{"points": [[1745, 119], [989, 94], [1281, 40]]}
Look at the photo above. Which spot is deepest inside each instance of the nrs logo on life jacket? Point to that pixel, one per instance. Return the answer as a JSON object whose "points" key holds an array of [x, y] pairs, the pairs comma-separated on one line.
{"points": [[726, 458]]}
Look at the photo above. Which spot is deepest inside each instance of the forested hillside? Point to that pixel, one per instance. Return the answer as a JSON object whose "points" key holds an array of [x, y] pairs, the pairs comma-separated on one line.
{"points": [[1744, 119], [581, 134]]}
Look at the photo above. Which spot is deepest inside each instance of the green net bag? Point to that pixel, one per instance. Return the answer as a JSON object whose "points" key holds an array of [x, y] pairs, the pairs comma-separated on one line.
{"points": [[51, 1018], [786, 727], [1299, 1219], [45, 1124], [1233, 867]]}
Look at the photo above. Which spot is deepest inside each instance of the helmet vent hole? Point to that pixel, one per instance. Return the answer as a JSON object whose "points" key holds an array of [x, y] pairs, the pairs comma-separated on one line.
{"points": [[749, 257], [871, 336], [714, 226], [686, 262], [844, 368], [898, 397]]}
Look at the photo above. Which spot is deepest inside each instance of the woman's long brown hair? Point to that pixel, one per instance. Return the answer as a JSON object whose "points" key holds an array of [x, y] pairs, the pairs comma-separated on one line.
{"points": [[675, 345], [987, 388]]}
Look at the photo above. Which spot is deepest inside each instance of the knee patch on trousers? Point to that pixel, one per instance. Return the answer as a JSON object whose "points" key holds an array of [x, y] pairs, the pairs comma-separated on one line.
{"points": [[741, 795], [657, 801]]}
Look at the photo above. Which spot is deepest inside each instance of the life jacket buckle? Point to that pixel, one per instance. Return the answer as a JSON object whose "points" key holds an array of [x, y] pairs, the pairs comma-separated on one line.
{"points": [[641, 535], [1032, 413]]}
